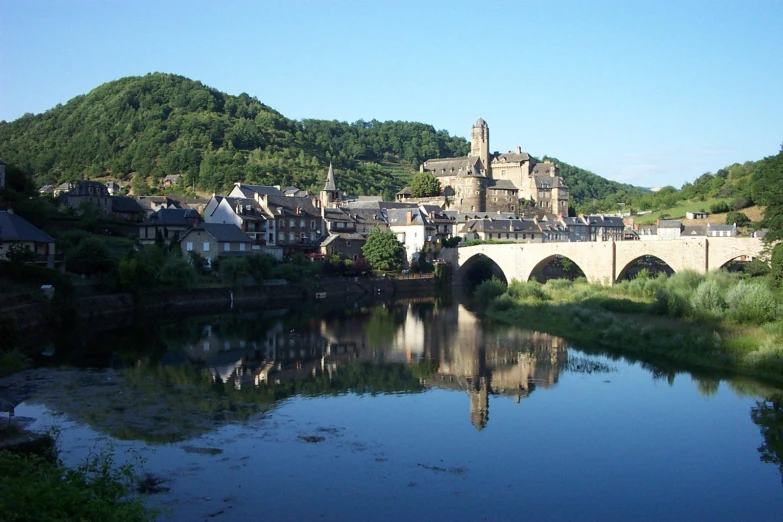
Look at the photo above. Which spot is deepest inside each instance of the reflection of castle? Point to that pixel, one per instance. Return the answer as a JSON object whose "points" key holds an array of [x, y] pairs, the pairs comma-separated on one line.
{"points": [[489, 360], [482, 359]]}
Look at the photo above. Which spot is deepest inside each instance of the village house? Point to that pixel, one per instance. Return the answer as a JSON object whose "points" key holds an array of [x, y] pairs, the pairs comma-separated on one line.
{"points": [[113, 187], [412, 229], [171, 179], [17, 232], [152, 204], [605, 228], [125, 208], [167, 223], [89, 192], [245, 213], [211, 240]]}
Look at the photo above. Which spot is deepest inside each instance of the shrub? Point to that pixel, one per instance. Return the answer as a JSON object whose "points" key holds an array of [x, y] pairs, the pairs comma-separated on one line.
{"points": [[177, 273], [503, 302], [558, 284], [529, 290], [719, 208], [487, 291], [751, 303], [687, 280], [738, 218], [707, 299]]}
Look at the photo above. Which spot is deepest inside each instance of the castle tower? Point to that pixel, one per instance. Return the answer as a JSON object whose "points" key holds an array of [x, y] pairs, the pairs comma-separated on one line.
{"points": [[330, 195], [479, 143]]}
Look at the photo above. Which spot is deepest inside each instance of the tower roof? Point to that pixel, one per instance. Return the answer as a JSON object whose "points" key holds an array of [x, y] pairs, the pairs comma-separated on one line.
{"points": [[330, 183], [480, 123]]}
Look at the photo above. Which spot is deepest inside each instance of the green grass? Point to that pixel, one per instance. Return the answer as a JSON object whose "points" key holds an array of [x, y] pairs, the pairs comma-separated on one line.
{"points": [[679, 211]]}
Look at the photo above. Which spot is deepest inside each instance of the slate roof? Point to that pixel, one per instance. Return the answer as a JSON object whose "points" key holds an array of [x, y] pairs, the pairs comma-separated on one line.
{"points": [[725, 228], [286, 206], [547, 181], [386, 205], [223, 232], [502, 225], [399, 217], [335, 215], [125, 204], [330, 183], [249, 190], [14, 228], [669, 223], [171, 216], [466, 216], [348, 237], [466, 165], [694, 230], [606, 221], [405, 192], [172, 178], [545, 169], [501, 184], [511, 157]]}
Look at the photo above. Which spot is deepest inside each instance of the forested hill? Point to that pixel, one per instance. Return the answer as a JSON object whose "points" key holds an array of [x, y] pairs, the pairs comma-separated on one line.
{"points": [[586, 187], [162, 124]]}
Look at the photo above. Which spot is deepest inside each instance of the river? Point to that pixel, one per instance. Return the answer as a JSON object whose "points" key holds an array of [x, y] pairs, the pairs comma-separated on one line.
{"points": [[407, 410]]}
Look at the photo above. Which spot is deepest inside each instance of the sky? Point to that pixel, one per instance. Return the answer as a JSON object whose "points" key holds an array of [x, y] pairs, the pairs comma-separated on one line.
{"points": [[645, 92]]}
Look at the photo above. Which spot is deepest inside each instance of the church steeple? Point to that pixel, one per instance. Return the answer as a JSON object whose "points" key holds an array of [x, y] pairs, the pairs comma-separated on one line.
{"points": [[330, 195]]}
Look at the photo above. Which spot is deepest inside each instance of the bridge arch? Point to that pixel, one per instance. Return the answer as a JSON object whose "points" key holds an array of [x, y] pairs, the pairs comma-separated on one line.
{"points": [[473, 262], [537, 271], [627, 270]]}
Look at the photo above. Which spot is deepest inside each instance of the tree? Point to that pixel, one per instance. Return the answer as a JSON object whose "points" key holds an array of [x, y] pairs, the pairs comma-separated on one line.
{"points": [[383, 251], [90, 257], [424, 184], [738, 218], [768, 190], [19, 253]]}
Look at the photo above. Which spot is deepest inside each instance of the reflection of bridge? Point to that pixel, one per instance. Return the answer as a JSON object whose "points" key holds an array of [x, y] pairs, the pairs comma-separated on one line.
{"points": [[605, 262]]}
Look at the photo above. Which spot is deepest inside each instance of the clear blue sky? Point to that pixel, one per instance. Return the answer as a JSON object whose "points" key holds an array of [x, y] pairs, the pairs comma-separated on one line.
{"points": [[644, 92]]}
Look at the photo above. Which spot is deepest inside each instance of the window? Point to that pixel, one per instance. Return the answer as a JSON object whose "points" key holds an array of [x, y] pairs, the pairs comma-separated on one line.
{"points": [[503, 172], [301, 223], [241, 247], [205, 247], [189, 246], [227, 247], [271, 237], [291, 223], [291, 237], [312, 225]]}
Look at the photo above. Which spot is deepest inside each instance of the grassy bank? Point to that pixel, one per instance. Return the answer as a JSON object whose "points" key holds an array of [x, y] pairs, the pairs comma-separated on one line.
{"points": [[719, 321]]}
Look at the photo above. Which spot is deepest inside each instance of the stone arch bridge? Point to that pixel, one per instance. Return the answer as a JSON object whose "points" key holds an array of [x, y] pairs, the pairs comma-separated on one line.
{"points": [[605, 262]]}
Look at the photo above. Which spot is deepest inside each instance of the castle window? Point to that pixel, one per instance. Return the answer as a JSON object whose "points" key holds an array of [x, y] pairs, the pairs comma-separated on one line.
{"points": [[502, 172]]}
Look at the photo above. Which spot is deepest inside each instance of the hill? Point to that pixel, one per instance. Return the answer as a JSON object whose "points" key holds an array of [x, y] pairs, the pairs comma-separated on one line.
{"points": [[162, 124]]}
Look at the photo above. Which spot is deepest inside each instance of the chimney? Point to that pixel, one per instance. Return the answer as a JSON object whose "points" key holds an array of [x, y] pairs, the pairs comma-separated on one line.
{"points": [[409, 217], [519, 150]]}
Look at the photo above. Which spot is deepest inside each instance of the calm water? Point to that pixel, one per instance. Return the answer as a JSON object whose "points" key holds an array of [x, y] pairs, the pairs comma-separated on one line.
{"points": [[412, 411]]}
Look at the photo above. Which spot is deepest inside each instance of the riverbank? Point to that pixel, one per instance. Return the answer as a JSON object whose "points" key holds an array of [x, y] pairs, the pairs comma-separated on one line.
{"points": [[716, 321]]}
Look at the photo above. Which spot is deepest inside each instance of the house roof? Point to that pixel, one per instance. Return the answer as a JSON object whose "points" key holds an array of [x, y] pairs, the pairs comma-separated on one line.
{"points": [[249, 190], [222, 232], [694, 230], [396, 204], [669, 223], [399, 217], [406, 191], [172, 217], [173, 178], [15, 228], [545, 168], [607, 221], [502, 225], [511, 157], [725, 228], [345, 237], [501, 184], [466, 165], [335, 215], [286, 206], [125, 204]]}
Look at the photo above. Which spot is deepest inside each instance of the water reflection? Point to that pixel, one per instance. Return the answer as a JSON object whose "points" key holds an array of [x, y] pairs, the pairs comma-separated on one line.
{"points": [[406, 347]]}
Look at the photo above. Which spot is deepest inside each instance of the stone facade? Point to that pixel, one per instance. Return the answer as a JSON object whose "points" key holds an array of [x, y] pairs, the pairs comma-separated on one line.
{"points": [[485, 181]]}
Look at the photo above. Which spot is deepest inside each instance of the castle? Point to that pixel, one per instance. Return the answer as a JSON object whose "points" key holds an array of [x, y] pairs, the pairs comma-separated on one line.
{"points": [[495, 182]]}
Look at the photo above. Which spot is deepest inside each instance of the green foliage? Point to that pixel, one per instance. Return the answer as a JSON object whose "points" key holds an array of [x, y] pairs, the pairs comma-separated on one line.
{"points": [[233, 270], [19, 253], [738, 218], [707, 299], [90, 257], [487, 291], [32, 488], [720, 207], [776, 269], [529, 290], [768, 190], [177, 273], [383, 251], [452, 242], [424, 184], [750, 303]]}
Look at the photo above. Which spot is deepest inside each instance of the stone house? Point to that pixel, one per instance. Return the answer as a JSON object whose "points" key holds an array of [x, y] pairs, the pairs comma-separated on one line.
{"points": [[347, 245], [125, 208], [211, 240], [15, 230], [169, 222], [669, 229], [92, 192], [245, 213], [605, 228], [516, 230]]}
